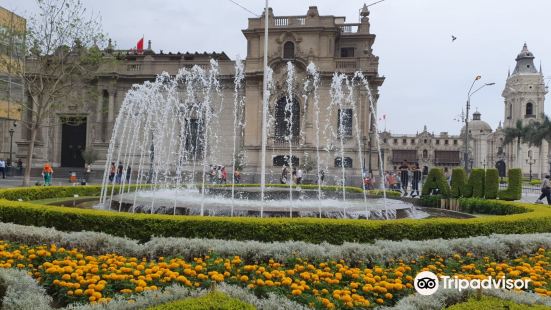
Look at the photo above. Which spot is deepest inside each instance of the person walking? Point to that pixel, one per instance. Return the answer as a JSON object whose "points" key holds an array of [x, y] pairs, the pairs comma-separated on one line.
{"points": [[112, 171], [415, 179], [47, 173], [299, 176], [404, 176], [118, 177], [19, 167], [237, 177], [545, 191], [3, 168], [224, 174], [321, 177], [88, 172], [128, 174], [284, 173]]}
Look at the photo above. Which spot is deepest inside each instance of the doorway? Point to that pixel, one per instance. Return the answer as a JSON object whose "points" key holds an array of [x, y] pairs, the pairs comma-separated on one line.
{"points": [[73, 141]]}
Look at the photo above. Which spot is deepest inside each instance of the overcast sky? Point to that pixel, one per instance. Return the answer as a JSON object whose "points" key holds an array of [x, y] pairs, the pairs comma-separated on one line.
{"points": [[427, 76]]}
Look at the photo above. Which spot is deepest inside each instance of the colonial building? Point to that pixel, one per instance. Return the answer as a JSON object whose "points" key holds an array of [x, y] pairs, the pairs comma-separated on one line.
{"points": [[327, 41], [524, 96], [12, 34]]}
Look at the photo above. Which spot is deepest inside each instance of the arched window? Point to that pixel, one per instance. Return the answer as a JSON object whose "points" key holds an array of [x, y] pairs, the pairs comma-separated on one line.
{"points": [[287, 119], [425, 154], [289, 50], [529, 109], [510, 111], [283, 160], [347, 162]]}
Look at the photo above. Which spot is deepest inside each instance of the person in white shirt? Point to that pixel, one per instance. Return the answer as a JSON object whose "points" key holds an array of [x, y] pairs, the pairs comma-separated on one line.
{"points": [[545, 190], [299, 176], [3, 168]]}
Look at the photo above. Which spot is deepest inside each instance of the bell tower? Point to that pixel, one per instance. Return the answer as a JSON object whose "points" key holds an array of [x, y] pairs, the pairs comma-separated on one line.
{"points": [[524, 91]]}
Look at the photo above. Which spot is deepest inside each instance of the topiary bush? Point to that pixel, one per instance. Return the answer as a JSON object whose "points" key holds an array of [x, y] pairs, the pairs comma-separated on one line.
{"points": [[514, 189], [458, 182], [436, 183], [212, 300], [491, 185], [476, 183]]}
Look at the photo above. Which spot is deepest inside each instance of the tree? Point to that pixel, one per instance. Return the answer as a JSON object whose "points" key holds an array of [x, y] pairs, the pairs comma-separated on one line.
{"points": [[89, 155], [61, 52], [517, 133], [536, 133]]}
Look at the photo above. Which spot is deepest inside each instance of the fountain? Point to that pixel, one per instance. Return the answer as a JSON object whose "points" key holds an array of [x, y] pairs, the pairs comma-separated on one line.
{"points": [[168, 132]]}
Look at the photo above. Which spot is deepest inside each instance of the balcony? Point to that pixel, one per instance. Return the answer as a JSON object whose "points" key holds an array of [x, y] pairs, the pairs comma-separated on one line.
{"points": [[286, 21], [346, 65], [284, 142], [350, 28]]}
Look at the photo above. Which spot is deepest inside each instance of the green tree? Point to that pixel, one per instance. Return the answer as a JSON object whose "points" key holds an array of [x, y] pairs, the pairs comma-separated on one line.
{"points": [[62, 53], [516, 134]]}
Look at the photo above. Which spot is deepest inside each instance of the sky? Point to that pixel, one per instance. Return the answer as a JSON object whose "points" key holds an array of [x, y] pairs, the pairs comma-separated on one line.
{"points": [[427, 75]]}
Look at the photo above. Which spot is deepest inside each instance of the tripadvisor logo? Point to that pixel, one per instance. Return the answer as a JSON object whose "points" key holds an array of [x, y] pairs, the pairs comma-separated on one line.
{"points": [[427, 283]]}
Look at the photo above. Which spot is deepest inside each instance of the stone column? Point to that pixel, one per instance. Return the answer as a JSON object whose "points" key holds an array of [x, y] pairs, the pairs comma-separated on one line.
{"points": [[111, 112]]}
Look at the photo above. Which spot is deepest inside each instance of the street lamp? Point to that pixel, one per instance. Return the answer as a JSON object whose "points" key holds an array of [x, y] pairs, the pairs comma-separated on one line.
{"points": [[530, 162], [469, 94], [11, 131]]}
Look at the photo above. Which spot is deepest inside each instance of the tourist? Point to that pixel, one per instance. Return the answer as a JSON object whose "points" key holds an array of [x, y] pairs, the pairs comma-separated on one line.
{"points": [[20, 167], [118, 177], [321, 177], [237, 177], [299, 177], [224, 174], [128, 174], [219, 174], [112, 171], [284, 173], [545, 191], [3, 168], [294, 175], [404, 176], [415, 179], [47, 173], [212, 174]]}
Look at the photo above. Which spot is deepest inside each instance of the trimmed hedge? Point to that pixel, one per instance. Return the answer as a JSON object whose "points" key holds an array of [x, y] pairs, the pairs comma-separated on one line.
{"points": [[336, 231], [459, 179], [490, 302], [476, 184], [514, 189], [491, 185], [436, 182], [213, 300]]}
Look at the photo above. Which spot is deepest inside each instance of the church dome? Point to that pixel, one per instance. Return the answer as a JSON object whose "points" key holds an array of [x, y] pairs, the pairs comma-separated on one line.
{"points": [[477, 126], [525, 62], [525, 53]]}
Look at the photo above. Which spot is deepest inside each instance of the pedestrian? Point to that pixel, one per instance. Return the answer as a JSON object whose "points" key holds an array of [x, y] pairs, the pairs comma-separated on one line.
{"points": [[3, 168], [321, 177], [118, 177], [219, 174], [284, 173], [224, 174], [415, 179], [212, 174], [294, 175], [47, 173], [545, 191], [404, 176], [20, 166], [128, 174], [299, 176], [112, 171], [237, 177]]}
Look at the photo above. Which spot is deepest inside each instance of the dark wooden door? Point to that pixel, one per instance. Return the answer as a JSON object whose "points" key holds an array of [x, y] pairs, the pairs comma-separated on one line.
{"points": [[73, 142]]}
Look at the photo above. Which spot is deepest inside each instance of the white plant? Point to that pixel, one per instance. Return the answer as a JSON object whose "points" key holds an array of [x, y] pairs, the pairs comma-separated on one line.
{"points": [[22, 292]]}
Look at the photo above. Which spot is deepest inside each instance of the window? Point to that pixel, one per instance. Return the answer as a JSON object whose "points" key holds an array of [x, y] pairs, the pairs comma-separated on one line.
{"points": [[454, 142], [194, 138], [437, 142], [446, 158], [287, 119], [425, 141], [404, 141], [412, 141], [384, 140], [529, 109], [347, 162], [395, 141], [347, 52], [345, 128], [283, 160], [398, 156], [510, 111], [446, 142], [289, 50], [425, 154]]}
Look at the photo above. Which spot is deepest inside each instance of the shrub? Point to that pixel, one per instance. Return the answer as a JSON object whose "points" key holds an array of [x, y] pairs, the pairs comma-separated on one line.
{"points": [[19, 291], [475, 184], [429, 201], [535, 182], [494, 207], [514, 190], [491, 185], [212, 300], [458, 182], [489, 302], [143, 226], [436, 182]]}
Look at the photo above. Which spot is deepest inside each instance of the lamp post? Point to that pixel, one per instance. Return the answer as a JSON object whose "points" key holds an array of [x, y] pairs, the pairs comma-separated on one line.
{"points": [[469, 94], [11, 131], [530, 162]]}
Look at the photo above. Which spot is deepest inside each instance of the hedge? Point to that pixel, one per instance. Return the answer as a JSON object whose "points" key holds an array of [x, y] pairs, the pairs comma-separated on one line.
{"points": [[475, 184], [336, 231], [490, 302], [514, 189], [436, 182], [459, 178], [491, 185], [213, 300]]}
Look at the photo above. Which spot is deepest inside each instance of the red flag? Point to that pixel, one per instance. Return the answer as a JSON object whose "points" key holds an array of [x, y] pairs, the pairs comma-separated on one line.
{"points": [[139, 46]]}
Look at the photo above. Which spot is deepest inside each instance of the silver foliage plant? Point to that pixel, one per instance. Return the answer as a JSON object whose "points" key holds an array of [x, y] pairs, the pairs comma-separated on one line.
{"points": [[380, 252], [22, 292]]}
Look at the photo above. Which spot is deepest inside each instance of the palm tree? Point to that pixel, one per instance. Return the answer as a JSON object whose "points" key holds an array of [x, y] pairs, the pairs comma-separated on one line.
{"points": [[517, 133], [539, 132]]}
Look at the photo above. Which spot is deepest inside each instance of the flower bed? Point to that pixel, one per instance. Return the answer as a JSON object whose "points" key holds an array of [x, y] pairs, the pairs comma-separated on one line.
{"points": [[72, 275]]}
